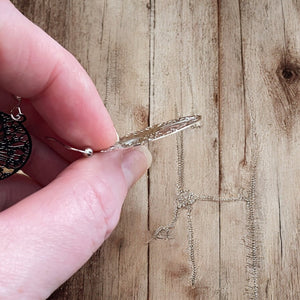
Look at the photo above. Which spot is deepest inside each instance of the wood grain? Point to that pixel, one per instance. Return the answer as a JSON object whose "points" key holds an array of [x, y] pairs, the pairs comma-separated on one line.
{"points": [[274, 100], [184, 80], [234, 146], [237, 63]]}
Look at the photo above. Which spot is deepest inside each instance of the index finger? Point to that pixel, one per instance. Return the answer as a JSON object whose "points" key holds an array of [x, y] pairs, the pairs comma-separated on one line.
{"points": [[36, 67]]}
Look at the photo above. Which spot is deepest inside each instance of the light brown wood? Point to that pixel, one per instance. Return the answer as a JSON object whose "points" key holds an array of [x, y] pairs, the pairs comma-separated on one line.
{"points": [[237, 63], [114, 46], [184, 81], [234, 158]]}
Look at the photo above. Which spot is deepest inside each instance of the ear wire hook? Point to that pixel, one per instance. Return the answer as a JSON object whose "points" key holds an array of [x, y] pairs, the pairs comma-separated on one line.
{"points": [[17, 109], [86, 152]]}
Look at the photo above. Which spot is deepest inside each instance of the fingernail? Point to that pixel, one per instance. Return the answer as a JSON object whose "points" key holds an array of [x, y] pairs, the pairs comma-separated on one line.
{"points": [[118, 138], [135, 162]]}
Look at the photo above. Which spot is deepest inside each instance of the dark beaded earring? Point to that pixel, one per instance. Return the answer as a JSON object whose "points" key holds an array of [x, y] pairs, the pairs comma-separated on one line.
{"points": [[15, 142]]}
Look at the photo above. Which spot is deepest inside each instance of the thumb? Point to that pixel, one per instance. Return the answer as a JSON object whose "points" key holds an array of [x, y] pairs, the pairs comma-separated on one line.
{"points": [[51, 234]]}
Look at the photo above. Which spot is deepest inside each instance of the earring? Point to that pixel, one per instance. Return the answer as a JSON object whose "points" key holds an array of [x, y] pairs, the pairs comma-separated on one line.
{"points": [[143, 136], [15, 141]]}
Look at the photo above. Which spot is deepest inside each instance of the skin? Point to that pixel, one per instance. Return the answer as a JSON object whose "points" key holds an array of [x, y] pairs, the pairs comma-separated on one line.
{"points": [[53, 220]]}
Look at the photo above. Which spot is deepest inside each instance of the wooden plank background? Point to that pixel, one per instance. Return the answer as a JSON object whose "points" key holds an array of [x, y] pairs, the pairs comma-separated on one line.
{"points": [[237, 63]]}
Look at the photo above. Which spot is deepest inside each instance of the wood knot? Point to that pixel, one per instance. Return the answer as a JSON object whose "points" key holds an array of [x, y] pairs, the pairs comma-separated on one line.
{"points": [[288, 74], [286, 101], [141, 116]]}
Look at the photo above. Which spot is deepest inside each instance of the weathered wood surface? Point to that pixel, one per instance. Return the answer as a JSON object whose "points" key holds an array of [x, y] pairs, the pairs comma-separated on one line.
{"points": [[237, 63]]}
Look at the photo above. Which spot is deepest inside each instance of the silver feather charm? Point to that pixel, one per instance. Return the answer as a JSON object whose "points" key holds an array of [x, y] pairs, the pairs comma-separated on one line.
{"points": [[154, 132]]}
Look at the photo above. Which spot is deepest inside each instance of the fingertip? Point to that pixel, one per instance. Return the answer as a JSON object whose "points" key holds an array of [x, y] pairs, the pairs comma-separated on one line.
{"points": [[35, 66], [106, 135], [135, 163]]}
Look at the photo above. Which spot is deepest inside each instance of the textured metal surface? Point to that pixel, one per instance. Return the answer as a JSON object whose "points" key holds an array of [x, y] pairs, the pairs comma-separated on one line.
{"points": [[154, 132]]}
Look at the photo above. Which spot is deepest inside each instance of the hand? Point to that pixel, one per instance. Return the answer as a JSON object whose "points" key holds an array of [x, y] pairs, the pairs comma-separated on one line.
{"points": [[69, 208]]}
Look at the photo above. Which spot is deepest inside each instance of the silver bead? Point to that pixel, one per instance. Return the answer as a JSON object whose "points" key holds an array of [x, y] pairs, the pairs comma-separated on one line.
{"points": [[88, 152]]}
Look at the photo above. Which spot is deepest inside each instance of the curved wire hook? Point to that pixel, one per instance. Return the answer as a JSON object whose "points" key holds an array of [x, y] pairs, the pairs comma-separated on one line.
{"points": [[17, 109], [86, 152]]}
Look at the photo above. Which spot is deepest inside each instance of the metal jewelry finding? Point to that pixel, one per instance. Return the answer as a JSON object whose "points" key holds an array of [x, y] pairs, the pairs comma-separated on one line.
{"points": [[17, 109], [86, 152]]}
